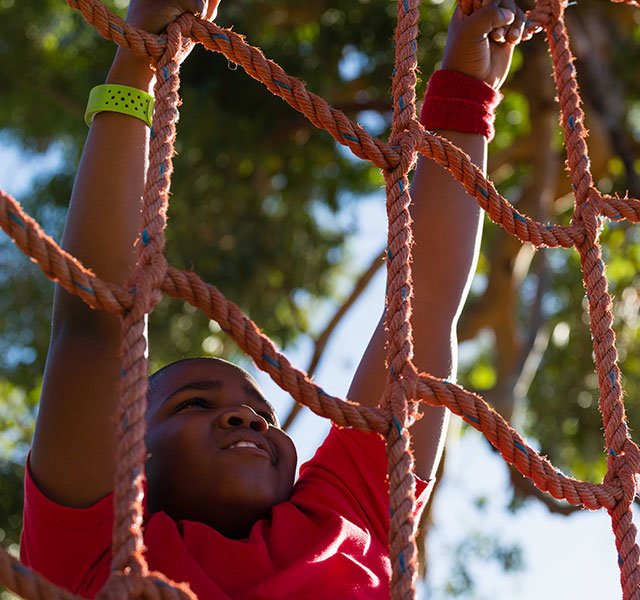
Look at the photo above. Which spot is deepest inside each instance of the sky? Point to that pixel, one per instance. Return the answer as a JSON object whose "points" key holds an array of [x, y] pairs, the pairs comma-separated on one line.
{"points": [[571, 557]]}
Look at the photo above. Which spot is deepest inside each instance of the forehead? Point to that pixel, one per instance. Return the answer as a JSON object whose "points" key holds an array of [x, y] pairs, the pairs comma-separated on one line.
{"points": [[188, 371], [198, 371]]}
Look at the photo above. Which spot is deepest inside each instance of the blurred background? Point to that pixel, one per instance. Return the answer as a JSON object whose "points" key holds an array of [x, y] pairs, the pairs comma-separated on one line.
{"points": [[291, 226]]}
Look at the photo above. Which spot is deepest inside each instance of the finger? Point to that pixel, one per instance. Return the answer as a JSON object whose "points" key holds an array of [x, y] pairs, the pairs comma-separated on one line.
{"points": [[489, 18], [513, 34], [212, 10], [196, 7], [497, 35]]}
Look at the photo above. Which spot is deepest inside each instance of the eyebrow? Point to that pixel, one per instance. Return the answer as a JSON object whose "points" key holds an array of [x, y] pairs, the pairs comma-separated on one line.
{"points": [[207, 385], [201, 386]]}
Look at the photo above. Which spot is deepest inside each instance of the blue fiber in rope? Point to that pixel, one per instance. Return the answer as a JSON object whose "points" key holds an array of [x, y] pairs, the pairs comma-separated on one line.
{"points": [[519, 217], [16, 219], [351, 137], [161, 168], [401, 103], [572, 122], [398, 426], [600, 264], [415, 45], [271, 361], [165, 72], [122, 373], [389, 255], [146, 238], [282, 84], [116, 28], [393, 372], [401, 185], [596, 339], [520, 447], [484, 192], [395, 147], [549, 227], [406, 5], [612, 452], [620, 561], [470, 418], [220, 36], [394, 70], [152, 134], [555, 37], [403, 292], [84, 288], [612, 377], [162, 584], [403, 567]]}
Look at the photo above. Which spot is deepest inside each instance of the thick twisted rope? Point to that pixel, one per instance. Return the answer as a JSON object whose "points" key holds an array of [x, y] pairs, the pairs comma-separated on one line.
{"points": [[405, 387]]}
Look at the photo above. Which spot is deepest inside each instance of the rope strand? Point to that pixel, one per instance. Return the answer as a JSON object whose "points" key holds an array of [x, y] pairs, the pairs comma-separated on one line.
{"points": [[405, 386]]}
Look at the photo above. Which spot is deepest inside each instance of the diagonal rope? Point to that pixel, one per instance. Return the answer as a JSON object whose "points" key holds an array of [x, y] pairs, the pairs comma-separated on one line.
{"points": [[405, 387]]}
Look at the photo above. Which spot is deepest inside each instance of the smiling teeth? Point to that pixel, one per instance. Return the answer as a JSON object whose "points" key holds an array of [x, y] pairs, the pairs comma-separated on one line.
{"points": [[243, 445]]}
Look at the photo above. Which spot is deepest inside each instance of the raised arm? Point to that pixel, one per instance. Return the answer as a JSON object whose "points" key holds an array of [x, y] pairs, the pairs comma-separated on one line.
{"points": [[447, 226], [72, 458]]}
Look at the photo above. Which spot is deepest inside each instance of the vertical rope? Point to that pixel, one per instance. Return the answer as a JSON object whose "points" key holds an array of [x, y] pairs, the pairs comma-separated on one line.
{"points": [[395, 414], [146, 281]]}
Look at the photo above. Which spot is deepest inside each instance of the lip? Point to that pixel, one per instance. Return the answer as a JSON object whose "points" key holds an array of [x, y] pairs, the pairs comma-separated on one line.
{"points": [[262, 447]]}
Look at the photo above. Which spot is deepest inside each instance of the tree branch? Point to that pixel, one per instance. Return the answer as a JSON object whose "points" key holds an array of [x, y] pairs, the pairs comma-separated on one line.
{"points": [[321, 340]]}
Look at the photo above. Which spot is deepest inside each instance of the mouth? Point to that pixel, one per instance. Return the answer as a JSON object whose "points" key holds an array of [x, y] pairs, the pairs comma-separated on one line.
{"points": [[244, 445]]}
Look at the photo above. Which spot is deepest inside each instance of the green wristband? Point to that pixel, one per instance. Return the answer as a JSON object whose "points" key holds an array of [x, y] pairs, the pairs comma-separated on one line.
{"points": [[121, 99]]}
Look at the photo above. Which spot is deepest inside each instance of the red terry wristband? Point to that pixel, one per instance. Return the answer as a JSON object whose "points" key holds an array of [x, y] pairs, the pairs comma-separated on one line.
{"points": [[457, 102]]}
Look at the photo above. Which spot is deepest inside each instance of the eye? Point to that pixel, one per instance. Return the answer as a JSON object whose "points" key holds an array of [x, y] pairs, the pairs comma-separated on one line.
{"points": [[268, 417], [193, 402]]}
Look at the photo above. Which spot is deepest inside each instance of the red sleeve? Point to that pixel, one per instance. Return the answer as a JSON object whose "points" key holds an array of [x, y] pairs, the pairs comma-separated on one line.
{"points": [[355, 464], [64, 544]]}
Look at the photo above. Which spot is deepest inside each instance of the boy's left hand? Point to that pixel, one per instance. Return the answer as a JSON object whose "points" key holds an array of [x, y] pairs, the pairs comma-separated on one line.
{"points": [[481, 45]]}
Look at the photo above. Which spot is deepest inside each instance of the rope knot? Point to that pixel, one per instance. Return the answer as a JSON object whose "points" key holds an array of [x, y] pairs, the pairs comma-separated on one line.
{"points": [[555, 8], [409, 140], [400, 401], [587, 216], [179, 44], [623, 467]]}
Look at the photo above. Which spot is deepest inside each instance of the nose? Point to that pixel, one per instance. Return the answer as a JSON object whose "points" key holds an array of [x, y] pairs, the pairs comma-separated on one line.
{"points": [[243, 416]]}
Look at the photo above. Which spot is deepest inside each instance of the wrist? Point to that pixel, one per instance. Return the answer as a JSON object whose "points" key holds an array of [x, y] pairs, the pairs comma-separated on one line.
{"points": [[132, 70], [458, 102]]}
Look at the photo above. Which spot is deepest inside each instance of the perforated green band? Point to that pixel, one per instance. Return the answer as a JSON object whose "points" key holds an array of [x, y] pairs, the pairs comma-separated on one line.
{"points": [[122, 99]]}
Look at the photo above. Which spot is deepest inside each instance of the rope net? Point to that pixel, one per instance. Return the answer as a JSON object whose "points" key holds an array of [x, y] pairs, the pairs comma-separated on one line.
{"points": [[406, 387]]}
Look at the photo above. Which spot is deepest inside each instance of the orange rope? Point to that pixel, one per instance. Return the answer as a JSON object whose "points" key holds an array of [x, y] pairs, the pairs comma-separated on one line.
{"points": [[405, 387]]}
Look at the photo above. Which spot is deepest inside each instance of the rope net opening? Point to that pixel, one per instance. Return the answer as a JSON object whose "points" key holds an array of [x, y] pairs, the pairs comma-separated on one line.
{"points": [[406, 387]]}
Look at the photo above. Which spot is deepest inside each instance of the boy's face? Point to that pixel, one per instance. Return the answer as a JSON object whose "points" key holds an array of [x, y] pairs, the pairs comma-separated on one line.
{"points": [[216, 452]]}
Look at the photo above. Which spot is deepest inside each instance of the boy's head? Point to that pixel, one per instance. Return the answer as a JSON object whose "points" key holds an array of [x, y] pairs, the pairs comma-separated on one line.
{"points": [[216, 451]]}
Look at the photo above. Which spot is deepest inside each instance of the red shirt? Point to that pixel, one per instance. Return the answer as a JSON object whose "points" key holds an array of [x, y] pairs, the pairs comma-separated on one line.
{"points": [[328, 541]]}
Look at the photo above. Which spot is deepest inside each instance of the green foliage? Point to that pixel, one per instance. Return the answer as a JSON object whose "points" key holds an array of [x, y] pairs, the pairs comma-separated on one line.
{"points": [[255, 195], [256, 187]]}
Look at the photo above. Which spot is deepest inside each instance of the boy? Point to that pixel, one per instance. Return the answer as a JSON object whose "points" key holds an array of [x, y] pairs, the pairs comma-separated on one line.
{"points": [[222, 511]]}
